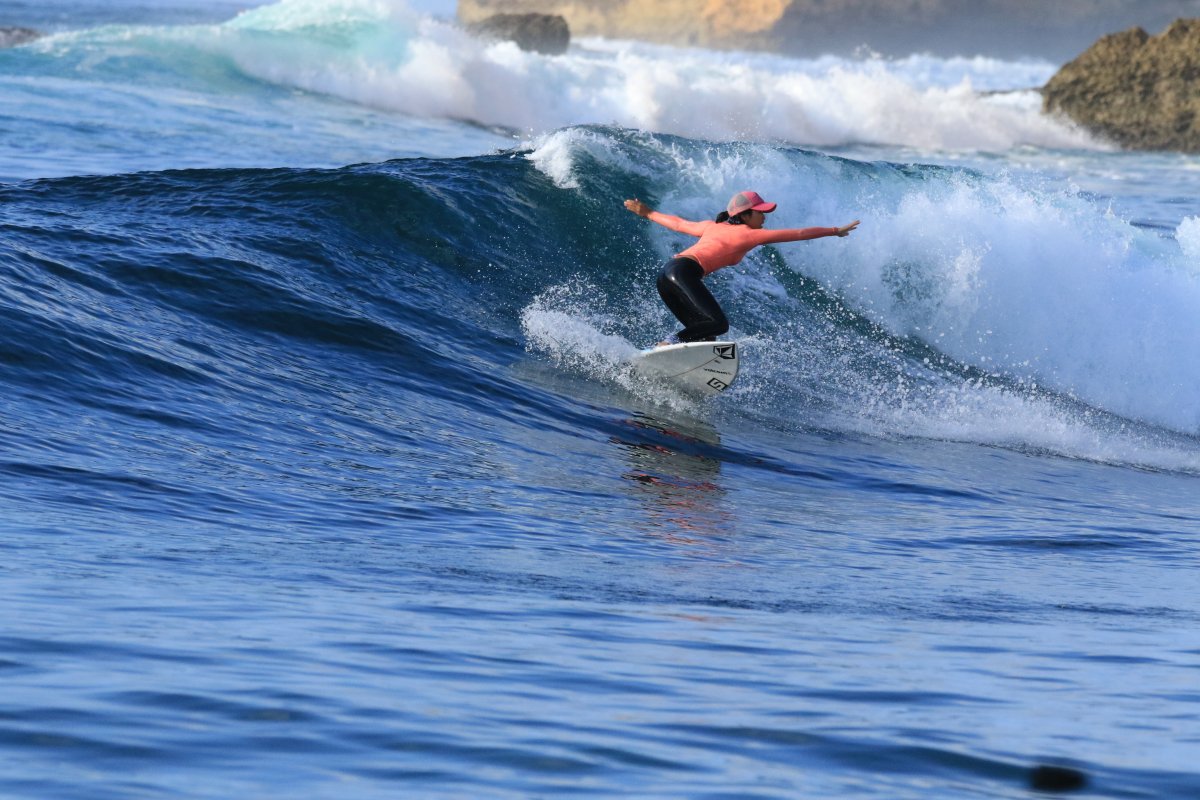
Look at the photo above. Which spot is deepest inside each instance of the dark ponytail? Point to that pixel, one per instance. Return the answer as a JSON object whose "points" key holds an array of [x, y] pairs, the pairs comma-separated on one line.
{"points": [[724, 217]]}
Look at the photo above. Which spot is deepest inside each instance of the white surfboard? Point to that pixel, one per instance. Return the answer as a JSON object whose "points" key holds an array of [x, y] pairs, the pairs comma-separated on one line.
{"points": [[705, 368]]}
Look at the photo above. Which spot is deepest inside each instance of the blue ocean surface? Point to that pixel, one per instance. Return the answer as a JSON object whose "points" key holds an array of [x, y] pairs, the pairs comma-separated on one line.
{"points": [[324, 472]]}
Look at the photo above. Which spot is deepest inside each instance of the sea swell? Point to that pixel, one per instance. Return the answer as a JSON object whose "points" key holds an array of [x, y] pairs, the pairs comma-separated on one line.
{"points": [[940, 318]]}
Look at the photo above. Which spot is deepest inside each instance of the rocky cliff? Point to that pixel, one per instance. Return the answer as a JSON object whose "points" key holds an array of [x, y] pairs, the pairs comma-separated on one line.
{"points": [[1141, 91], [1057, 30], [671, 21]]}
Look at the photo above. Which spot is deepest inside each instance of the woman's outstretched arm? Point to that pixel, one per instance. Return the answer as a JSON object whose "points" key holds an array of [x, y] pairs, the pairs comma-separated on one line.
{"points": [[678, 224], [769, 236]]}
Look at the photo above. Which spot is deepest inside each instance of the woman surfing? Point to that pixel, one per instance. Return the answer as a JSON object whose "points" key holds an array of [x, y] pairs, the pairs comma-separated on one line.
{"points": [[723, 242]]}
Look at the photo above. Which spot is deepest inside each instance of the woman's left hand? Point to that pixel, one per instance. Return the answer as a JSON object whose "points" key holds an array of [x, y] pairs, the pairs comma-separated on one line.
{"points": [[638, 207]]}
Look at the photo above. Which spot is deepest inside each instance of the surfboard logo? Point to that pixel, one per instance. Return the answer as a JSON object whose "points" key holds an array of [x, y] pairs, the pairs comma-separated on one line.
{"points": [[704, 368]]}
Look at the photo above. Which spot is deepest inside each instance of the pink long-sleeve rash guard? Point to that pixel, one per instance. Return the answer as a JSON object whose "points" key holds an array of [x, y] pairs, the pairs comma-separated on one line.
{"points": [[723, 245]]}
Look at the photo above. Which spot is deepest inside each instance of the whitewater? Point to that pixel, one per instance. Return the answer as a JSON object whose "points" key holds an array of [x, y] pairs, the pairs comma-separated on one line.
{"points": [[324, 471]]}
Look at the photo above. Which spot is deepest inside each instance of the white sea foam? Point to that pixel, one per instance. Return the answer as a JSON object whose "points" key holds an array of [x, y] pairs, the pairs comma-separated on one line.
{"points": [[1036, 284], [569, 324], [1188, 236], [968, 410], [377, 53]]}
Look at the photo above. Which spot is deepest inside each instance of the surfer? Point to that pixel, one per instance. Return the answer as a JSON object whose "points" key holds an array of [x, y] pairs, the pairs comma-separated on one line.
{"points": [[723, 242]]}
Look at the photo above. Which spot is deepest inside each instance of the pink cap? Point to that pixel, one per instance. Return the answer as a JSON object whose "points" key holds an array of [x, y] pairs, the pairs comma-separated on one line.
{"points": [[745, 201]]}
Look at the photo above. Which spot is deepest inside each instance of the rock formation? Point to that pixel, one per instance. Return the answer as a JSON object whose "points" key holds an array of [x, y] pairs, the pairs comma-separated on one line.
{"points": [[1138, 90], [1006, 28], [541, 33], [11, 37], [671, 21]]}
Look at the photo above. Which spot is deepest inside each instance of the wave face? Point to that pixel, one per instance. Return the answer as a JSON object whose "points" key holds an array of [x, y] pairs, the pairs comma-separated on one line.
{"points": [[967, 307]]}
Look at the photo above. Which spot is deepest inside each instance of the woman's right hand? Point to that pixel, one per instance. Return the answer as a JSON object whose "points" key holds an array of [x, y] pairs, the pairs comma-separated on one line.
{"points": [[845, 229], [638, 207]]}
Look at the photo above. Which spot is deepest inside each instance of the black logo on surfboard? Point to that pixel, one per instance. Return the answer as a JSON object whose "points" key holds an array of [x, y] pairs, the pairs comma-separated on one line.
{"points": [[719, 385], [726, 351]]}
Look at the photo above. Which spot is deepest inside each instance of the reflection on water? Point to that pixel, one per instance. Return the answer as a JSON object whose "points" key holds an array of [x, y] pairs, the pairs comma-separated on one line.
{"points": [[676, 475]]}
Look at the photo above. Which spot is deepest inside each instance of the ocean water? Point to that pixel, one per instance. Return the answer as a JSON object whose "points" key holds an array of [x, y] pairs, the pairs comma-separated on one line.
{"points": [[324, 474]]}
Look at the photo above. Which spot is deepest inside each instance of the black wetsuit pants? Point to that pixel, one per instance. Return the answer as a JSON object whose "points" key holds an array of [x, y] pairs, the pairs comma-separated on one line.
{"points": [[681, 286]]}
